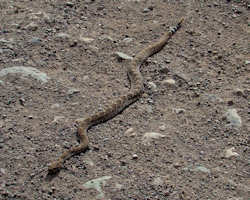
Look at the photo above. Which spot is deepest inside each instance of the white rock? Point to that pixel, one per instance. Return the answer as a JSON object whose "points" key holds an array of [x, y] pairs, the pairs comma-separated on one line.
{"points": [[149, 136], [25, 72], [86, 39], [56, 105], [229, 153], [169, 82], [134, 156], [63, 36], [57, 118], [127, 40], [233, 118], [130, 132], [162, 127], [124, 56], [179, 110], [152, 86]]}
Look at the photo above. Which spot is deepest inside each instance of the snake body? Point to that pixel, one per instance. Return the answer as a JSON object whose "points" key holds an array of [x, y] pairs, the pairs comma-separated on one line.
{"points": [[119, 104]]}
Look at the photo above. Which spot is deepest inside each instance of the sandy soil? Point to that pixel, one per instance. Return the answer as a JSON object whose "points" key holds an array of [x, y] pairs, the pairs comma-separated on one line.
{"points": [[196, 99]]}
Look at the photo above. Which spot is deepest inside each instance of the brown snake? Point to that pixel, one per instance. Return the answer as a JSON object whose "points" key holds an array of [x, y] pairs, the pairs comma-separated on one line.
{"points": [[119, 104]]}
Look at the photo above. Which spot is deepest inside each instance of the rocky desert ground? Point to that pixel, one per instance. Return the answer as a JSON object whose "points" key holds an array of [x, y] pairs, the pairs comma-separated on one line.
{"points": [[187, 138]]}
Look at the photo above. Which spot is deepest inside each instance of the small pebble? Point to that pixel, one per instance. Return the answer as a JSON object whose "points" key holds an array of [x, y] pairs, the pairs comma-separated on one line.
{"points": [[35, 41], [130, 132], [229, 153], [162, 127], [169, 82], [152, 86], [123, 56], [135, 156], [179, 110], [127, 40], [70, 4], [73, 91]]}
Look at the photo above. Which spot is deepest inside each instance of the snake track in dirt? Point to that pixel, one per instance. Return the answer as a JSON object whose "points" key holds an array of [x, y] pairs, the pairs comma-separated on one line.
{"points": [[117, 105]]}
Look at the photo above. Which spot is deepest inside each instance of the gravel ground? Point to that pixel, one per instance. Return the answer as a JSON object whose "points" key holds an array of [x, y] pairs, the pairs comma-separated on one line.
{"points": [[186, 138]]}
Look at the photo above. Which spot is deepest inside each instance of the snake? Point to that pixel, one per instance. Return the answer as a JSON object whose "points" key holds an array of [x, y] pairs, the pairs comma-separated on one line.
{"points": [[117, 105]]}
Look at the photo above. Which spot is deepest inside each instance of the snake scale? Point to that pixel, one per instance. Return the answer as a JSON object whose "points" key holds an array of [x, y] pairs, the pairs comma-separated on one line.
{"points": [[119, 104]]}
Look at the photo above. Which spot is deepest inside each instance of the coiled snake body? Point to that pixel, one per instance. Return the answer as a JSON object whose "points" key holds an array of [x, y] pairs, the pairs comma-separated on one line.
{"points": [[119, 104]]}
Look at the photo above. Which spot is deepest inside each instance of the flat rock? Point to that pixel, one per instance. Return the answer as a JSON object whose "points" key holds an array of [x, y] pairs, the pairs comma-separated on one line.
{"points": [[26, 72], [212, 98], [123, 56], [86, 39], [233, 118], [169, 82], [150, 136], [62, 36], [97, 185]]}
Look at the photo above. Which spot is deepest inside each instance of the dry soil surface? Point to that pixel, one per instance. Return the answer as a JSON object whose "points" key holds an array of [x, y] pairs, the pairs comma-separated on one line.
{"points": [[186, 138]]}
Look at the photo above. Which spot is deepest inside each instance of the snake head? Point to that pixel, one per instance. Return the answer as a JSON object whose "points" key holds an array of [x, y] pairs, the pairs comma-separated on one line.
{"points": [[55, 167]]}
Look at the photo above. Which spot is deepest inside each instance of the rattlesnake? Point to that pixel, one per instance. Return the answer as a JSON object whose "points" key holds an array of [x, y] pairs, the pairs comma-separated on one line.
{"points": [[119, 104]]}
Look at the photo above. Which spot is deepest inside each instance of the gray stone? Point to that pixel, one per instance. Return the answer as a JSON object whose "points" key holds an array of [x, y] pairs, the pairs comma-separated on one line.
{"points": [[233, 118], [198, 168], [212, 98], [202, 169], [35, 41], [62, 36], [97, 185], [26, 72]]}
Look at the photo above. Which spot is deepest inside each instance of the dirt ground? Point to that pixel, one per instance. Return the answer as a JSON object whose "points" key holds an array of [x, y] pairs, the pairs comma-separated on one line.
{"points": [[196, 100]]}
